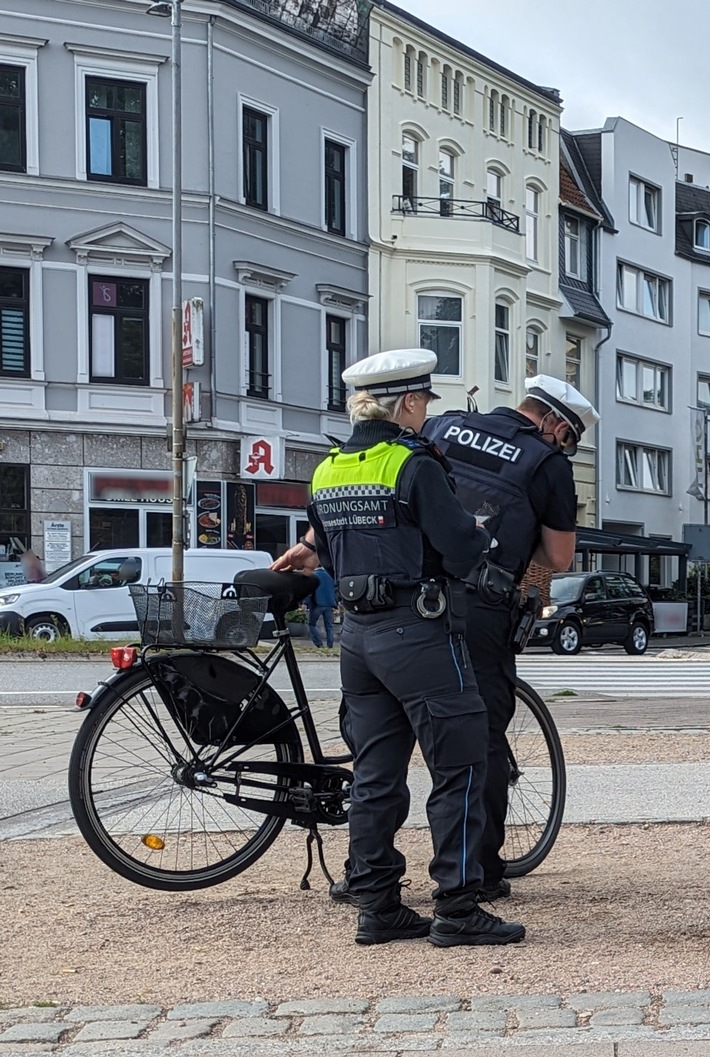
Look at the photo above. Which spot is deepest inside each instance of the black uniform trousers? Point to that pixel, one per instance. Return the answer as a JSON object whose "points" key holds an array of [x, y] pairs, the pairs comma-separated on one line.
{"points": [[488, 631], [405, 679]]}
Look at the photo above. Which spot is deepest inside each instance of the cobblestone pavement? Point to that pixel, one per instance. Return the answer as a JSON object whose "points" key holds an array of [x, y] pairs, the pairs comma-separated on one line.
{"points": [[615, 1024]]}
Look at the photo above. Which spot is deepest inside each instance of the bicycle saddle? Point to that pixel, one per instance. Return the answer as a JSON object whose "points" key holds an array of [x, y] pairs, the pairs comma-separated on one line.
{"points": [[285, 590]]}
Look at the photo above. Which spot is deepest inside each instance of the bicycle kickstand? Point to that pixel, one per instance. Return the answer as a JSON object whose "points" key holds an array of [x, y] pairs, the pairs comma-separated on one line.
{"points": [[314, 835]]}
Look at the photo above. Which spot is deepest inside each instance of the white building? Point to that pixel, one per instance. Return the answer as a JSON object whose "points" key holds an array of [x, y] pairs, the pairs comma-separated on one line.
{"points": [[463, 159]]}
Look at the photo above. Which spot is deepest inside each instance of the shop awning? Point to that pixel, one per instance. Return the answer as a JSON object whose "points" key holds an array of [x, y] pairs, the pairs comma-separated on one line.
{"points": [[598, 541]]}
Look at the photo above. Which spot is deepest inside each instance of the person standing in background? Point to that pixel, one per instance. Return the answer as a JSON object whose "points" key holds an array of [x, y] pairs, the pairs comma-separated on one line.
{"points": [[322, 603]]}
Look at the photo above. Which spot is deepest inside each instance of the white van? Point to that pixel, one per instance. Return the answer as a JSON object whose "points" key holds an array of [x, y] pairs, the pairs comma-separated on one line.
{"points": [[89, 597]]}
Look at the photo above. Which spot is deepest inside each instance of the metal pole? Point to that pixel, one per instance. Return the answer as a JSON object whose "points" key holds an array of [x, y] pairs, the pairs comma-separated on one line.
{"points": [[177, 375], [705, 466]]}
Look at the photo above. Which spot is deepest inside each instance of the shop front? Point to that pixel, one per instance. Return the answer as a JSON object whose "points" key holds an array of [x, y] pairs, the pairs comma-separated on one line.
{"points": [[128, 508], [14, 522]]}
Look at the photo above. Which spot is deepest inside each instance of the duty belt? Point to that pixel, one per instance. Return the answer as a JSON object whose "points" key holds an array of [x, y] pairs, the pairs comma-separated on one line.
{"points": [[373, 594]]}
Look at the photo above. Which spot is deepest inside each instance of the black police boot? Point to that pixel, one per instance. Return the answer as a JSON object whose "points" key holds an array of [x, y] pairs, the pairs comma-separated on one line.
{"points": [[340, 893], [459, 921], [492, 890], [384, 917]]}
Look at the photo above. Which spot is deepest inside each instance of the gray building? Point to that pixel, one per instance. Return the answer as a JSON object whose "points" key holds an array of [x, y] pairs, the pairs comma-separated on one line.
{"points": [[275, 263], [655, 287]]}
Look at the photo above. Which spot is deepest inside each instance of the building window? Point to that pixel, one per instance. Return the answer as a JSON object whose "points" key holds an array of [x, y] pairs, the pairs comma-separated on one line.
{"points": [[532, 210], [541, 135], [573, 360], [532, 352], [410, 173], [703, 312], [644, 200], [335, 154], [704, 390], [493, 111], [502, 343], [446, 182], [255, 132], [407, 72], [335, 330], [642, 469], [494, 194], [420, 78], [532, 127], [257, 330], [14, 323], [504, 104], [116, 131], [702, 235], [440, 329], [573, 247], [457, 96], [13, 134], [643, 292], [641, 382], [444, 91], [14, 511], [118, 331]]}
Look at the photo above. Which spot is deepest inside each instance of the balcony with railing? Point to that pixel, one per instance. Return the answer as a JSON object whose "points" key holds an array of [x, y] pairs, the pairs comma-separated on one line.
{"points": [[457, 209]]}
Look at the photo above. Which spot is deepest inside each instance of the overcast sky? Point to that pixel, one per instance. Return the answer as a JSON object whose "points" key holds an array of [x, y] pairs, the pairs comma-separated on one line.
{"points": [[645, 60]]}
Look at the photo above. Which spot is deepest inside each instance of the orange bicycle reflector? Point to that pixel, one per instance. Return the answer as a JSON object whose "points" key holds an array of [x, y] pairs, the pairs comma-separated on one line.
{"points": [[153, 841], [82, 699], [124, 656]]}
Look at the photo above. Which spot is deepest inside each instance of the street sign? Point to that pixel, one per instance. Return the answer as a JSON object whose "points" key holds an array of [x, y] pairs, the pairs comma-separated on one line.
{"points": [[193, 331], [191, 402], [698, 536]]}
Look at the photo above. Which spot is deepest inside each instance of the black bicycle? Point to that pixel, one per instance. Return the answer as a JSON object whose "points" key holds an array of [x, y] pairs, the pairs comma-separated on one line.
{"points": [[188, 763]]}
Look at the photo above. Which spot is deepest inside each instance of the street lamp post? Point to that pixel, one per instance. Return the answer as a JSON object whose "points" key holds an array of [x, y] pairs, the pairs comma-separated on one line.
{"points": [[173, 9]]}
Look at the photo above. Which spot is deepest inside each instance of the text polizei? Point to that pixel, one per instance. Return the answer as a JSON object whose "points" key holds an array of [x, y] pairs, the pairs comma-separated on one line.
{"points": [[472, 438]]}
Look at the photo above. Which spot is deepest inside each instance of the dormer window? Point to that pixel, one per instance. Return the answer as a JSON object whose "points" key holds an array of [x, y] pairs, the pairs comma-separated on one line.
{"points": [[702, 235]]}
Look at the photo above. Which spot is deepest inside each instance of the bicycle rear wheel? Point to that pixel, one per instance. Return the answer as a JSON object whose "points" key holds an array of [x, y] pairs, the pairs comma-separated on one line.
{"points": [[147, 807], [538, 784]]}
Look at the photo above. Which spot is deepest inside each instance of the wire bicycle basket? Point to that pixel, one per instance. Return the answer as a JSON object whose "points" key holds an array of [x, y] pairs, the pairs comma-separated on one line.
{"points": [[197, 614]]}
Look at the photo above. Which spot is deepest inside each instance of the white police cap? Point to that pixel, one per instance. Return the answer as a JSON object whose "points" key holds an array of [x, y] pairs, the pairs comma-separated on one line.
{"points": [[393, 373], [564, 400]]}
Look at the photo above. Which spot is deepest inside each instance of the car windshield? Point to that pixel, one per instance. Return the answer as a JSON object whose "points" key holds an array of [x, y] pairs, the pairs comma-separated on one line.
{"points": [[565, 589], [64, 569]]}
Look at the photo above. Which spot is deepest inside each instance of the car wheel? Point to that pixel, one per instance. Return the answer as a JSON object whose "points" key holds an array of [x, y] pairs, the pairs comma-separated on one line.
{"points": [[568, 639], [637, 641], [45, 629]]}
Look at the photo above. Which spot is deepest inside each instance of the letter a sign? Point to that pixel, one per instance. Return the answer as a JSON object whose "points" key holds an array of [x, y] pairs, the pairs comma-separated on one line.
{"points": [[262, 458]]}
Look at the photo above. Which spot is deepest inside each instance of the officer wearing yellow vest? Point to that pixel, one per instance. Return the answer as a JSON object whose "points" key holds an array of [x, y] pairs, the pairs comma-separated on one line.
{"points": [[389, 528]]}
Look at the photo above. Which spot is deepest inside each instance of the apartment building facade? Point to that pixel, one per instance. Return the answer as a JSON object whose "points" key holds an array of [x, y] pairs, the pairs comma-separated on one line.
{"points": [[274, 264], [654, 285], [464, 190]]}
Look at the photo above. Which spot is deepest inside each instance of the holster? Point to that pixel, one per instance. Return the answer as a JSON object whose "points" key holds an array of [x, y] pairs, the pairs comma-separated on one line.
{"points": [[524, 626], [365, 594], [496, 584], [455, 613]]}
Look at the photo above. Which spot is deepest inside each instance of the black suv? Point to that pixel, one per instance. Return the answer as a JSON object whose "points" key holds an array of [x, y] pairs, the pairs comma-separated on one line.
{"points": [[588, 609]]}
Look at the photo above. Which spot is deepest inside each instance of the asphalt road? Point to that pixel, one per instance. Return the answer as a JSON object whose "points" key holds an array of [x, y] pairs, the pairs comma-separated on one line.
{"points": [[38, 724]]}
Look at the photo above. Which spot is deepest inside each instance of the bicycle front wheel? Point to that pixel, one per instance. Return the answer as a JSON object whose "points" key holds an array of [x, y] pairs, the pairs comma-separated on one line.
{"points": [[537, 786], [149, 810]]}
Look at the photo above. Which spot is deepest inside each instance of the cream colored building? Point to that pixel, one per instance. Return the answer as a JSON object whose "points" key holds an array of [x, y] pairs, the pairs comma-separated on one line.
{"points": [[463, 200]]}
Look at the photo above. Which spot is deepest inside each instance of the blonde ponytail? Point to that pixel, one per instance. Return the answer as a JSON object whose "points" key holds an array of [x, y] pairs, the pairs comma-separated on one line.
{"points": [[364, 407]]}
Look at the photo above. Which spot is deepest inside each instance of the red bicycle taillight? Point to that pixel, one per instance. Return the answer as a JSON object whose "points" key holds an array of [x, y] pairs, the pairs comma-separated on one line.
{"points": [[83, 699], [124, 656]]}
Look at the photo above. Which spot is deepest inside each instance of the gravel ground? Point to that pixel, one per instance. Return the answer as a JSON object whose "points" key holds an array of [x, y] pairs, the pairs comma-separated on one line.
{"points": [[610, 909]]}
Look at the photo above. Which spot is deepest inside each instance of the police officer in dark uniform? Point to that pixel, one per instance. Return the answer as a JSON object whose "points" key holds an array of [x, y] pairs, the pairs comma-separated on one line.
{"points": [[390, 529], [511, 472]]}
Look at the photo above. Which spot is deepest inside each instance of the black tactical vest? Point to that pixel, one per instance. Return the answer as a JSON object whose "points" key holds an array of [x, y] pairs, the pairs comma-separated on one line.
{"points": [[493, 459]]}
